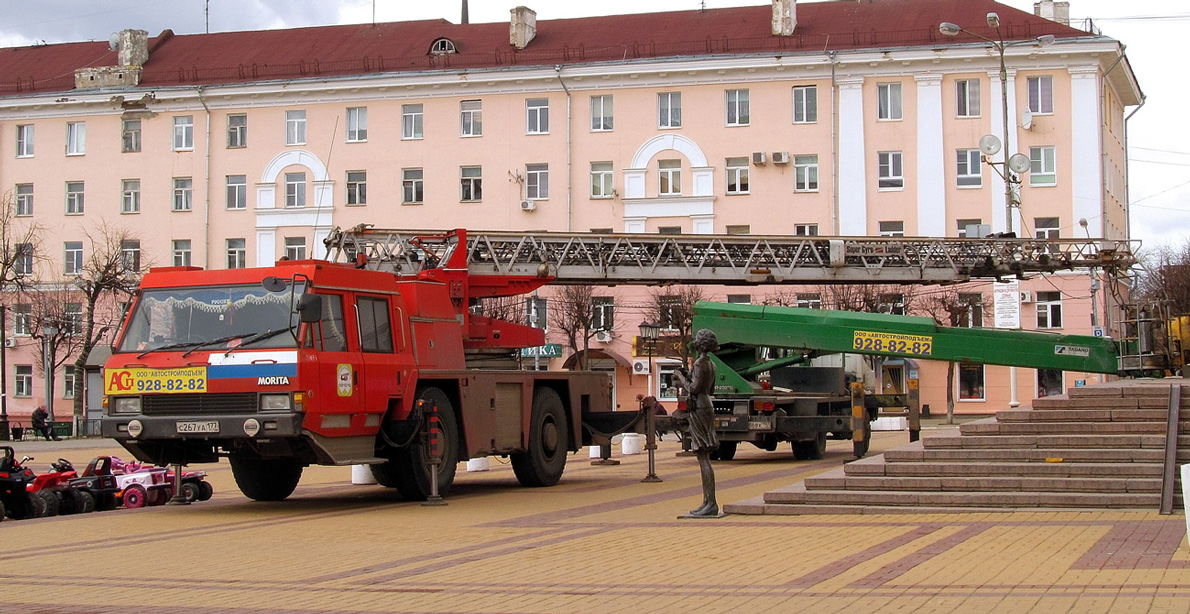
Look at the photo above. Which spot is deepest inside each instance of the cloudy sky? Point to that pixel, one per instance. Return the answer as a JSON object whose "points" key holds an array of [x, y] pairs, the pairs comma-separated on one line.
{"points": [[1159, 141]]}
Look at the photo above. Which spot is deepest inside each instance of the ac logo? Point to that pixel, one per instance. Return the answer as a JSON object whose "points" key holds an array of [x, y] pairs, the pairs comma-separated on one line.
{"points": [[118, 381]]}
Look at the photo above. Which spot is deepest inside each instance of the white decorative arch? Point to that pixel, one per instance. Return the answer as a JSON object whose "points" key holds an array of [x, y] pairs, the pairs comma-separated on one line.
{"points": [[318, 214], [676, 142], [698, 205], [291, 157]]}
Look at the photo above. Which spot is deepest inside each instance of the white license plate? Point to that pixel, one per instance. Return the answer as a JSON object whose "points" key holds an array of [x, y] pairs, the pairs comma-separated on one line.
{"points": [[758, 425], [204, 426]]}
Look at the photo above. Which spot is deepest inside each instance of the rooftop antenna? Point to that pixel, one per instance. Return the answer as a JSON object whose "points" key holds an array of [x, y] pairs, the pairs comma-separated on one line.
{"points": [[207, 12], [373, 13], [464, 19]]}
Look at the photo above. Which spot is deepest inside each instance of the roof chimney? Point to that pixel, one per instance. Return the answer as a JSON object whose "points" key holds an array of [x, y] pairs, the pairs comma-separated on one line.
{"points": [[523, 27], [132, 51], [1053, 11], [784, 17], [132, 48]]}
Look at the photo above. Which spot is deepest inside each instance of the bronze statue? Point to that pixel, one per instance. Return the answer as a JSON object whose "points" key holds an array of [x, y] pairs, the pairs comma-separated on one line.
{"points": [[700, 416]]}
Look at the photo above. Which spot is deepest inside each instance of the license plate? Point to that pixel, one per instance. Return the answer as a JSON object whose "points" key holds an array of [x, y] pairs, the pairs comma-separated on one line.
{"points": [[758, 425], [204, 426]]}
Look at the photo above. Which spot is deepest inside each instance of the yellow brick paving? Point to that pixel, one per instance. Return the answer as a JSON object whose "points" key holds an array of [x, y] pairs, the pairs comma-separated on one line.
{"points": [[601, 541]]}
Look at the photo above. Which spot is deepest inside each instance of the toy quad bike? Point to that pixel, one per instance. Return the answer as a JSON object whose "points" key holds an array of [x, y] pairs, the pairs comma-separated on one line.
{"points": [[16, 501], [70, 499]]}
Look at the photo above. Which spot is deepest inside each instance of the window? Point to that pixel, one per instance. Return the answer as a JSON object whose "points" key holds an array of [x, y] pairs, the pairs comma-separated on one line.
{"points": [[471, 118], [76, 138], [669, 230], [669, 177], [891, 303], [738, 229], [72, 316], [295, 189], [1043, 166], [537, 181], [669, 107], [24, 381], [25, 141], [969, 169], [181, 250], [22, 319], [970, 382], [973, 317], [603, 313], [72, 260], [805, 104], [443, 46], [411, 121], [357, 124], [670, 310], [601, 113], [962, 225], [74, 197], [130, 196], [332, 336], [667, 386], [184, 133], [68, 382], [740, 299], [737, 175], [602, 180], [805, 230], [295, 248], [237, 192], [808, 300], [183, 193], [895, 228], [1049, 310], [1041, 95], [357, 187], [470, 183], [295, 127], [1046, 227], [130, 254], [237, 254], [805, 173], [130, 136], [24, 199], [413, 185], [892, 176], [737, 108], [237, 131], [375, 327], [537, 116], [1049, 382], [22, 262], [888, 101], [967, 98]]}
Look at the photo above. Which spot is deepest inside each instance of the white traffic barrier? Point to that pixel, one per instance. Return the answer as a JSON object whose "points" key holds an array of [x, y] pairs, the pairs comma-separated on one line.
{"points": [[890, 423], [632, 443], [478, 464], [361, 475]]}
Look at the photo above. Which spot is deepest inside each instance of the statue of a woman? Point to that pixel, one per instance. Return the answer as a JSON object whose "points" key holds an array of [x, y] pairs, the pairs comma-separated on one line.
{"points": [[700, 416]]}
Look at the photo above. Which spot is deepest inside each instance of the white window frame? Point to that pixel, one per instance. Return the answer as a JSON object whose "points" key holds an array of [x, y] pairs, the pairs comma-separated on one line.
{"points": [[669, 177], [1049, 310], [537, 116], [1047, 227], [890, 171], [25, 143], [23, 195], [412, 122], [961, 225], [805, 104], [357, 188], [1043, 166], [889, 102], [808, 300], [603, 180], [183, 199], [130, 136], [76, 138], [738, 177], [237, 253], [22, 319], [667, 387], [68, 380], [76, 196], [603, 313], [181, 252], [892, 228], [413, 187], [295, 190], [737, 107], [966, 98], [237, 192], [471, 118], [968, 168], [72, 257], [295, 127], [295, 248], [237, 131], [1041, 95], [23, 380], [183, 133], [602, 116], [978, 386], [357, 124], [669, 110], [805, 230], [805, 173], [22, 261], [130, 196], [130, 254], [537, 181], [470, 184]]}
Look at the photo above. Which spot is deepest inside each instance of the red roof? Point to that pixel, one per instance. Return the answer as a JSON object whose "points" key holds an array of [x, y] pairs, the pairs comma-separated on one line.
{"points": [[237, 57]]}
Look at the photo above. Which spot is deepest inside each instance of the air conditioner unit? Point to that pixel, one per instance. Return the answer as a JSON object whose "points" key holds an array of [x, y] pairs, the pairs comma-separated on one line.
{"points": [[10, 342], [528, 205], [603, 336], [1026, 297], [758, 157], [640, 367], [780, 157]]}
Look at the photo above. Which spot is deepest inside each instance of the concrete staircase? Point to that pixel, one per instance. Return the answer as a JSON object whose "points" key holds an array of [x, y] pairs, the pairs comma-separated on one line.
{"points": [[1099, 447]]}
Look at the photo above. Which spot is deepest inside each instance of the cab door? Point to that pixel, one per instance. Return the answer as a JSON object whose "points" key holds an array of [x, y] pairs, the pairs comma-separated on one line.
{"points": [[374, 318], [337, 389]]}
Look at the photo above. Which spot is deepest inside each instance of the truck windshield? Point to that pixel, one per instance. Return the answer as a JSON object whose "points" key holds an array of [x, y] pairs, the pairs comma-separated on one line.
{"points": [[216, 317]]}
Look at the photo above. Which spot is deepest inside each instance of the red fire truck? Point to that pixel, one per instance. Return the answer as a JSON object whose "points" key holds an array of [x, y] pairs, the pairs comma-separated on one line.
{"points": [[313, 362]]}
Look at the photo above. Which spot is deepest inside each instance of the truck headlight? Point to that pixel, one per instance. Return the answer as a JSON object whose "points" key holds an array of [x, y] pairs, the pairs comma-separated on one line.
{"points": [[125, 405], [275, 402]]}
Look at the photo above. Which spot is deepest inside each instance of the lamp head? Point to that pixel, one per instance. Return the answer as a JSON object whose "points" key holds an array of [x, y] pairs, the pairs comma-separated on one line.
{"points": [[1045, 40], [989, 145], [949, 29], [993, 20], [1019, 163]]}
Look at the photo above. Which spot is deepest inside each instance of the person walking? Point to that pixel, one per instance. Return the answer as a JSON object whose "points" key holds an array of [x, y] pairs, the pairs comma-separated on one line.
{"points": [[41, 424]]}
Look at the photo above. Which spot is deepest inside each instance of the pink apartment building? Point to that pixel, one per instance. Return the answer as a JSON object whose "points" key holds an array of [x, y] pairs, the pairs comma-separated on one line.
{"points": [[836, 118]]}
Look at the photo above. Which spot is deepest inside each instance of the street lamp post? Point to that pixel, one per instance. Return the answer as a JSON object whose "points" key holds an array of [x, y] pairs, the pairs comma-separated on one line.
{"points": [[989, 145], [47, 341], [4, 432], [649, 332]]}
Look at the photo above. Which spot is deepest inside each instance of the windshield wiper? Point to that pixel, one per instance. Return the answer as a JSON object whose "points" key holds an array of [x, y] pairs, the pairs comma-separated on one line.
{"points": [[215, 341], [268, 334], [172, 346]]}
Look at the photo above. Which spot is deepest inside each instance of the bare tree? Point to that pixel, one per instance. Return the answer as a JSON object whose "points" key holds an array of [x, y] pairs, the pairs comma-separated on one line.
{"points": [[55, 322], [868, 298], [17, 254], [673, 308], [573, 314], [953, 308], [1166, 278]]}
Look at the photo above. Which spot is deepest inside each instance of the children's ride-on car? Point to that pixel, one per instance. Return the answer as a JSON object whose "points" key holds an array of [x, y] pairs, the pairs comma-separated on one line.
{"points": [[15, 499], [71, 500], [98, 480]]}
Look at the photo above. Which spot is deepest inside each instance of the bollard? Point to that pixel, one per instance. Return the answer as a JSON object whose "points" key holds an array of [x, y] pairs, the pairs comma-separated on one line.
{"points": [[651, 445], [435, 460]]}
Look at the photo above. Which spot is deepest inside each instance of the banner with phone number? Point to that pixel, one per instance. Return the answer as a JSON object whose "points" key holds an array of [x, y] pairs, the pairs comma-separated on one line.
{"points": [[159, 381], [893, 343]]}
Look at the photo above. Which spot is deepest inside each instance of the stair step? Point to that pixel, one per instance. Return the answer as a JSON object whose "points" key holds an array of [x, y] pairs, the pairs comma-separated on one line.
{"points": [[1084, 440], [995, 427], [1037, 455], [798, 493], [1044, 485], [1087, 415], [998, 469]]}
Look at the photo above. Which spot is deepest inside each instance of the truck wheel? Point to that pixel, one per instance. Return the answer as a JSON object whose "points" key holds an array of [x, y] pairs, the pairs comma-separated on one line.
{"points": [[726, 450], [135, 496], [810, 450], [190, 492], [265, 479], [545, 460], [49, 500], [410, 467], [205, 490]]}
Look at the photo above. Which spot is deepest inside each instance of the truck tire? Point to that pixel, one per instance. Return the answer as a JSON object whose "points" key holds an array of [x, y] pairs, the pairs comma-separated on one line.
{"points": [[135, 496], [544, 461], [266, 479], [810, 450], [410, 467], [726, 450]]}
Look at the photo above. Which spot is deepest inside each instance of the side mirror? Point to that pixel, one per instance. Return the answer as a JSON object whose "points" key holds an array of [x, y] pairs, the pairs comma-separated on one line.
{"points": [[309, 308], [273, 284]]}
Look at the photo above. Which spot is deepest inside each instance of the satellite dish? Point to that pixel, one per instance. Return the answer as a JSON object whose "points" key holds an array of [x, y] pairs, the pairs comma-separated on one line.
{"points": [[1019, 163], [1026, 119], [113, 41], [989, 144]]}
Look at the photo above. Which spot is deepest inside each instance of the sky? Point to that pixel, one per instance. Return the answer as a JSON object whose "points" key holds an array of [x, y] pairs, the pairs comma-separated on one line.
{"points": [[1158, 133]]}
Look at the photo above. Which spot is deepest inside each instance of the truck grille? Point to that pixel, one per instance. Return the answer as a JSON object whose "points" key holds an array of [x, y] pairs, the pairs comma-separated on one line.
{"points": [[186, 404]]}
